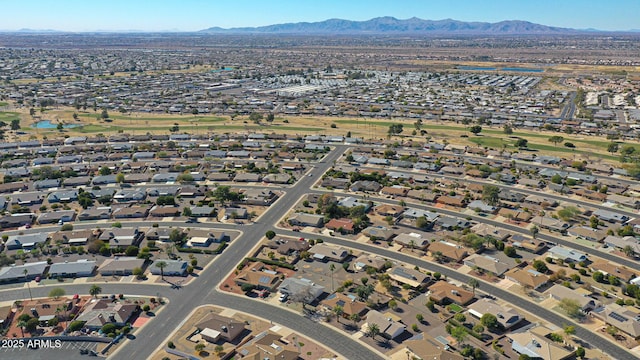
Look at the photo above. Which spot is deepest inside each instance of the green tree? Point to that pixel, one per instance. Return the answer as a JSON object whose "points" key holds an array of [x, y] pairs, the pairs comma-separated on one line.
{"points": [[270, 117], [540, 266], [521, 143], [32, 325], [131, 250], [507, 129], [490, 321], [15, 124], [56, 293], [572, 308], [580, 352], [556, 139], [270, 234], [256, 117], [491, 194], [475, 129], [95, 290], [105, 171], [510, 251], [459, 333], [138, 272], [394, 129], [104, 114], [199, 347]]}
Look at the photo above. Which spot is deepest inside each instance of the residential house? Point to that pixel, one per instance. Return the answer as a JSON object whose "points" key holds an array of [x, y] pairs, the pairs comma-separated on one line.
{"points": [[607, 268], [388, 210], [79, 268], [448, 251], [586, 302], [304, 219], [204, 237], [423, 346], [62, 196], [25, 272], [620, 243], [99, 213], [164, 211], [445, 293], [549, 223], [628, 201], [527, 277], [99, 312], [365, 186], [528, 244], [389, 328], [121, 237], [216, 327], [403, 275], [481, 206], [566, 254], [25, 241], [365, 260], [413, 240], [52, 217], [587, 233], [46, 184], [120, 265], [507, 317], [259, 196], [171, 268], [204, 211], [611, 217], [623, 318], [132, 212], [74, 237], [326, 252], [534, 342], [349, 303], [288, 247], [259, 276], [484, 230], [455, 201], [344, 225], [268, 345], [378, 233], [487, 264], [394, 191], [591, 195], [303, 289]]}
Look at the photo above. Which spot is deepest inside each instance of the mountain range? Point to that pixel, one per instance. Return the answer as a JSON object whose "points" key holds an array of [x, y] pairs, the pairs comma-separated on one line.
{"points": [[391, 25]]}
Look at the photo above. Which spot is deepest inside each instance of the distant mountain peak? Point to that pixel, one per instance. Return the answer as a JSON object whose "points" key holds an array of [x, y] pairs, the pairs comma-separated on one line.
{"points": [[389, 24]]}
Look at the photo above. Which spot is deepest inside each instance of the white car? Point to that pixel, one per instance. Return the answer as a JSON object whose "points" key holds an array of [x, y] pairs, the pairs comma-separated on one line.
{"points": [[283, 297]]}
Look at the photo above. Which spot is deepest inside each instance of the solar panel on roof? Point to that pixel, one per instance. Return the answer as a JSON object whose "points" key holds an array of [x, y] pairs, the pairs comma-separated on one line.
{"points": [[264, 279], [617, 316]]}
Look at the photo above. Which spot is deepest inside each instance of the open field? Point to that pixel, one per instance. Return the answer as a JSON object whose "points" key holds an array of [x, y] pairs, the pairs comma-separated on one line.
{"points": [[590, 147]]}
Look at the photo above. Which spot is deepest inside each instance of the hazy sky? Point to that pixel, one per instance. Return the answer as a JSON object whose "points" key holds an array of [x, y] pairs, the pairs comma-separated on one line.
{"points": [[191, 15]]}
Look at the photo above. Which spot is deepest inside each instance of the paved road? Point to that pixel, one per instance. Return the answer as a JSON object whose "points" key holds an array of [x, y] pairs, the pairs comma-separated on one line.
{"points": [[587, 335]]}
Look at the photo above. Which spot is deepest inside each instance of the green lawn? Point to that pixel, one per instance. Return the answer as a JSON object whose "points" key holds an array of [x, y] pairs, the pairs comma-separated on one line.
{"points": [[9, 116], [2, 103]]}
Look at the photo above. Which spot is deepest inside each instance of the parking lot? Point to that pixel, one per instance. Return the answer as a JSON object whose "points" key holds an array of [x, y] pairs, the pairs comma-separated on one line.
{"points": [[70, 350]]}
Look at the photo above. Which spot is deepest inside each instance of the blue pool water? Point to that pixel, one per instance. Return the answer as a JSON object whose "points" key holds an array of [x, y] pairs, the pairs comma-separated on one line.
{"points": [[47, 124]]}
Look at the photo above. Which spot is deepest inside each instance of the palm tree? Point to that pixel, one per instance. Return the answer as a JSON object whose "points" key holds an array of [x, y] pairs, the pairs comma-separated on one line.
{"points": [[161, 265], [474, 283], [332, 267], [25, 272], [373, 330], [338, 310], [95, 290], [22, 324], [355, 318]]}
